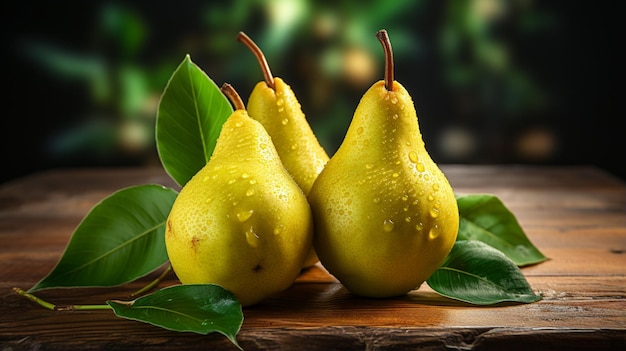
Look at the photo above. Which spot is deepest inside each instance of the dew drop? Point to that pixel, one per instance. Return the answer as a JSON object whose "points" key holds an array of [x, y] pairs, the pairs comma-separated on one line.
{"points": [[285, 121], [408, 219], [238, 124], [359, 130], [245, 175], [231, 181], [435, 187], [395, 115], [434, 232], [208, 199], [280, 102], [394, 100], [250, 192], [395, 175], [388, 225], [281, 109], [523, 250], [279, 229], [252, 181], [294, 146], [419, 226], [405, 198], [434, 212], [369, 166], [206, 179], [244, 215], [431, 197], [376, 200], [420, 167], [413, 156], [252, 238]]}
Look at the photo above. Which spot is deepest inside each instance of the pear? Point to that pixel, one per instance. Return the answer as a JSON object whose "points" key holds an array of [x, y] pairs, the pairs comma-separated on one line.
{"points": [[385, 215], [241, 222], [274, 104]]}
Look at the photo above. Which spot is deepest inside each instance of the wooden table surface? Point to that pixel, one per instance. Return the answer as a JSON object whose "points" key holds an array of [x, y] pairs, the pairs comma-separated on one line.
{"points": [[575, 215]]}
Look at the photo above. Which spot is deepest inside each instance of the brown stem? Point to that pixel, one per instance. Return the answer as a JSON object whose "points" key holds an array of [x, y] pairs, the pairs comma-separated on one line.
{"points": [[233, 96], [265, 67], [384, 40]]}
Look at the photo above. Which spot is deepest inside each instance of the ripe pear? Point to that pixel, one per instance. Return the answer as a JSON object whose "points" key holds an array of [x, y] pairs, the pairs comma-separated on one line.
{"points": [[274, 104], [241, 222], [385, 214]]}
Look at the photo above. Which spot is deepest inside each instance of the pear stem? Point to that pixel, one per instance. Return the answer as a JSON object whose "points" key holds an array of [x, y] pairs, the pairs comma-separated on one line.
{"points": [[265, 67], [383, 37], [233, 96]]}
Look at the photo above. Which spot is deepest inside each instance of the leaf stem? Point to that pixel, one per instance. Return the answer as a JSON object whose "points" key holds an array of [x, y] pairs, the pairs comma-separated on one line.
{"points": [[383, 37], [53, 307], [265, 67], [153, 283]]}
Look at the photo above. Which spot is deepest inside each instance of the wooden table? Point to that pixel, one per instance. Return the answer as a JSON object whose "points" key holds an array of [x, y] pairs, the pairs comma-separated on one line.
{"points": [[574, 215]]}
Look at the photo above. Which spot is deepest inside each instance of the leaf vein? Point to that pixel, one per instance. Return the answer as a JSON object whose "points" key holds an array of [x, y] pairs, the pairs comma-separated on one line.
{"points": [[112, 250]]}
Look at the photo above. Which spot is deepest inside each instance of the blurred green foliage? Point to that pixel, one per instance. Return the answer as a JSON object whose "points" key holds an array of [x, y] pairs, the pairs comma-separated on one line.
{"points": [[483, 85]]}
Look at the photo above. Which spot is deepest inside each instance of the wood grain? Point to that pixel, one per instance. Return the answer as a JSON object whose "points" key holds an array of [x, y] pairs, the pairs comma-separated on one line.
{"points": [[574, 215]]}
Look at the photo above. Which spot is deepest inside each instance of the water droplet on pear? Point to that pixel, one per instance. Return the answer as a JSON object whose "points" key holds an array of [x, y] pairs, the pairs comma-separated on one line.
{"points": [[388, 225]]}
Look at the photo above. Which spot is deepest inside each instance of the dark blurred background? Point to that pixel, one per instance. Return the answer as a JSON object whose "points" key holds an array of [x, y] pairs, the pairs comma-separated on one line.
{"points": [[494, 82]]}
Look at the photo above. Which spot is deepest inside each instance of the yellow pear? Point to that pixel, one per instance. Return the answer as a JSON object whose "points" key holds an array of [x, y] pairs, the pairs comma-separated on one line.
{"points": [[385, 214], [274, 104], [241, 222]]}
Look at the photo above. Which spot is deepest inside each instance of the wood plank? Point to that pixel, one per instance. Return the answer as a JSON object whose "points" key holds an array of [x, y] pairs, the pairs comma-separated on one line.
{"points": [[575, 215]]}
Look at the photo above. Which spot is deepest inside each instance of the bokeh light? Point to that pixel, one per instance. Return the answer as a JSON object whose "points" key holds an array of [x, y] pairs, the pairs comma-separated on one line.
{"points": [[494, 82]]}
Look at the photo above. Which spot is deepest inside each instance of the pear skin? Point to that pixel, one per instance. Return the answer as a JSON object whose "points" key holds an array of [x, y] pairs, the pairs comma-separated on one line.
{"points": [[241, 222], [274, 104], [385, 214], [280, 113]]}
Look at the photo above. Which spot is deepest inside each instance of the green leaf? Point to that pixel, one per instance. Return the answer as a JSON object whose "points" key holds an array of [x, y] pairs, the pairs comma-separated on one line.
{"points": [[191, 112], [198, 308], [118, 241], [484, 217], [476, 273]]}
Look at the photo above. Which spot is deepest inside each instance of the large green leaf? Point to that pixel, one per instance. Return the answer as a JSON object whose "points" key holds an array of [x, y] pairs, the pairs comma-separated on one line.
{"points": [[476, 273], [198, 308], [484, 217], [118, 241], [191, 112]]}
